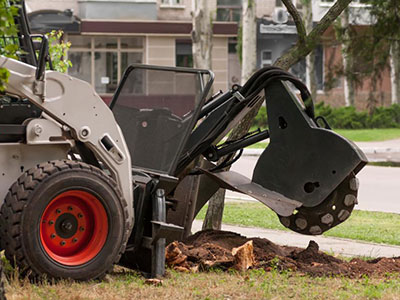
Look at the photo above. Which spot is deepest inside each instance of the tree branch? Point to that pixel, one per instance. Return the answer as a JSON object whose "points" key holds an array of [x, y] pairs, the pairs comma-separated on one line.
{"points": [[329, 18], [301, 30], [301, 50]]}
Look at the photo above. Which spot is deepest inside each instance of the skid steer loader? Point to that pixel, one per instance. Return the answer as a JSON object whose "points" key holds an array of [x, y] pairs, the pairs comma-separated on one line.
{"points": [[86, 186]]}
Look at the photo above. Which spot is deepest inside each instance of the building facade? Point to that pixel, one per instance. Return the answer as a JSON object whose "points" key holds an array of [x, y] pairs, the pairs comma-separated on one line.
{"points": [[113, 34], [109, 35]]}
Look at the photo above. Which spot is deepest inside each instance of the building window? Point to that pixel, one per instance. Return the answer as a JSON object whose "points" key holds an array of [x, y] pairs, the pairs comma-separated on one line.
{"points": [[354, 2], [229, 10], [102, 60], [279, 3], [172, 2], [319, 67], [232, 45], [183, 53], [266, 58]]}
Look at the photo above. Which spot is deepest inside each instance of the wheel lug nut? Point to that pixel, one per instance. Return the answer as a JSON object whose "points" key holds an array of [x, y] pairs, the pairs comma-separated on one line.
{"points": [[52, 236], [51, 222], [74, 240], [80, 215], [58, 210], [62, 243], [69, 207], [81, 229]]}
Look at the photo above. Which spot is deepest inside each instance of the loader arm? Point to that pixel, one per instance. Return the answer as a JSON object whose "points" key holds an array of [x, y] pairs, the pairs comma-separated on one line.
{"points": [[75, 105]]}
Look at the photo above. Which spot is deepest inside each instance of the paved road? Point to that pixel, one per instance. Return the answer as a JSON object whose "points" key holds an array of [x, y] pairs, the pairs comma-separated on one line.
{"points": [[379, 186]]}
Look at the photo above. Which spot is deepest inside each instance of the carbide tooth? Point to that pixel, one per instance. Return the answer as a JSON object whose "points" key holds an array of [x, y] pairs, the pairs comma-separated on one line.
{"points": [[301, 223], [315, 230], [354, 184], [350, 200], [343, 215], [327, 219], [285, 221]]}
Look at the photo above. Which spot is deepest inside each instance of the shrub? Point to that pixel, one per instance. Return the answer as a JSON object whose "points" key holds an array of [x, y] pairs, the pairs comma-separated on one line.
{"points": [[347, 117]]}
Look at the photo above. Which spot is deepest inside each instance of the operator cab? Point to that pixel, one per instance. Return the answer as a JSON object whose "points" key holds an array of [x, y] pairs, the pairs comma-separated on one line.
{"points": [[157, 108]]}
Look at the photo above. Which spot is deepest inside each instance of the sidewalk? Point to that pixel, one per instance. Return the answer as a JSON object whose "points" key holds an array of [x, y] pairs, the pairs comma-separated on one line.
{"points": [[384, 151], [340, 246]]}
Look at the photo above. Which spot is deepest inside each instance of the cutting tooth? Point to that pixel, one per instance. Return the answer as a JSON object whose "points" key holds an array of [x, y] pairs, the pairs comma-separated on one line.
{"points": [[327, 219], [343, 215], [301, 223], [350, 199], [354, 184], [315, 230], [285, 221]]}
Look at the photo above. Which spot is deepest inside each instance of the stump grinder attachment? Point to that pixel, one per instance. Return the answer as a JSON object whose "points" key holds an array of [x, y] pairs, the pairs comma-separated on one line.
{"points": [[86, 185]]}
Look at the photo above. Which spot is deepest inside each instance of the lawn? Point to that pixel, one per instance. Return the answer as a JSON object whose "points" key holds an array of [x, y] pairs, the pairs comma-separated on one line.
{"points": [[357, 135], [370, 135], [375, 227], [254, 284]]}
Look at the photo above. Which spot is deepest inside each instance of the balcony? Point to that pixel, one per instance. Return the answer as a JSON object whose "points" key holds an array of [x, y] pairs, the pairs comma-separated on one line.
{"points": [[118, 9]]}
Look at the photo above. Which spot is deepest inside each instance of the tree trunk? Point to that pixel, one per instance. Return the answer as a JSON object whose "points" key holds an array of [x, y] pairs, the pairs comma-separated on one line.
{"points": [[249, 40], [347, 58], [395, 71], [215, 210], [202, 34], [310, 59], [304, 45]]}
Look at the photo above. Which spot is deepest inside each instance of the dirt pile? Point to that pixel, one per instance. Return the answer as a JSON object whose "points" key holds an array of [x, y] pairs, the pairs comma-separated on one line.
{"points": [[220, 249]]}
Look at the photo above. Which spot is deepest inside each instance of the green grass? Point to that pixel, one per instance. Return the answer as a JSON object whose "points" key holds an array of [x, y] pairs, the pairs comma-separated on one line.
{"points": [[367, 226], [370, 135], [253, 284], [356, 135]]}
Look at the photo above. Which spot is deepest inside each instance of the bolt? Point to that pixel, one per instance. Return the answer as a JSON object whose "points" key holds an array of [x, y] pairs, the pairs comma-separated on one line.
{"points": [[67, 226], [315, 230], [80, 215], [58, 210], [85, 132], [62, 243], [69, 207], [301, 223], [350, 200], [327, 219], [52, 236], [354, 184], [285, 221], [37, 129], [343, 215], [74, 240], [51, 222], [81, 228]]}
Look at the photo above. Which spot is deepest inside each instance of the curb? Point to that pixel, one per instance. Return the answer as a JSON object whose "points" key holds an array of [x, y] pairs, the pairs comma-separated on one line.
{"points": [[375, 155]]}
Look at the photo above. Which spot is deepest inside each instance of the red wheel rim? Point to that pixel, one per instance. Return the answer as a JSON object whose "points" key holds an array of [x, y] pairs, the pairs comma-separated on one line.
{"points": [[73, 227]]}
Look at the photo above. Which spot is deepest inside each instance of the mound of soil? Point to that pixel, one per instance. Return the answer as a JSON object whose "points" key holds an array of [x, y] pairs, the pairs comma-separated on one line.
{"points": [[220, 249]]}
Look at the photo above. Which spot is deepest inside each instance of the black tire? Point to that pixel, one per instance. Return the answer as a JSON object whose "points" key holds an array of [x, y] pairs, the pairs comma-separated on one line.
{"points": [[33, 198]]}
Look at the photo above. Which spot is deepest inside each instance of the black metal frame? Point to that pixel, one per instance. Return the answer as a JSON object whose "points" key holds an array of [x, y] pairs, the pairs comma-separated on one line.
{"points": [[205, 91]]}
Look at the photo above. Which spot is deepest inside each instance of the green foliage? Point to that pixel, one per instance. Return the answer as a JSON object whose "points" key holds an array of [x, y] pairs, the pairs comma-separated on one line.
{"points": [[8, 45], [261, 120], [58, 51], [346, 117], [368, 47], [350, 118]]}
